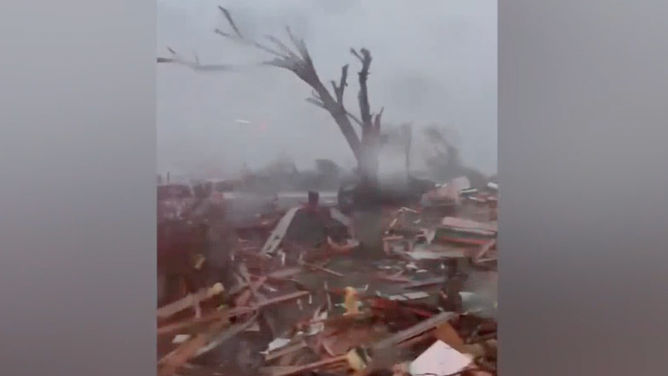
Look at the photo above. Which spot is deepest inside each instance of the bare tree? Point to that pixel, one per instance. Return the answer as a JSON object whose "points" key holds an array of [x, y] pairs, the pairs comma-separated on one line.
{"points": [[298, 61]]}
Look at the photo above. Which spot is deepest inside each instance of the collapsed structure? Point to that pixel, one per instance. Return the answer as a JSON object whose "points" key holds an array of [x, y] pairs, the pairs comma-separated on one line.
{"points": [[289, 295]]}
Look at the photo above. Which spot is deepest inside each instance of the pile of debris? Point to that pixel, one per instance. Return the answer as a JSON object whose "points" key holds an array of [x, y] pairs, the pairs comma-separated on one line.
{"points": [[303, 302]]}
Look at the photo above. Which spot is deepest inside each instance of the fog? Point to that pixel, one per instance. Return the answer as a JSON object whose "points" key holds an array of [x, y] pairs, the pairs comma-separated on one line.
{"points": [[433, 62]]}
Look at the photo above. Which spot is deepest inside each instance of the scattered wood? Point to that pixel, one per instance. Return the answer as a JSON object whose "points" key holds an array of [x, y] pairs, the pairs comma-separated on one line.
{"points": [[391, 321], [288, 371], [426, 283], [484, 250], [189, 301], [446, 333], [169, 364], [418, 329], [217, 340], [281, 299], [186, 325], [285, 350], [316, 267]]}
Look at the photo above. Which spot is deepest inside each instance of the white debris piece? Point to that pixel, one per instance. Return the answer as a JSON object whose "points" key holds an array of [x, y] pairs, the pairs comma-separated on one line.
{"points": [[439, 359], [319, 326], [180, 338], [276, 344], [410, 296]]}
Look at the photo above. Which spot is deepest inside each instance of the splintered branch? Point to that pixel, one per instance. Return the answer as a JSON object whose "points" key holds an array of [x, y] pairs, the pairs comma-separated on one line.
{"points": [[297, 60], [341, 87], [316, 102], [299, 44], [233, 24], [285, 49], [364, 57], [242, 40], [376, 119], [193, 64], [284, 57]]}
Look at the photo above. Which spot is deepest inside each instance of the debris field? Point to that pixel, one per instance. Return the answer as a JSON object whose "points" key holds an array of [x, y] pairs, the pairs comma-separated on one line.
{"points": [[301, 295]]}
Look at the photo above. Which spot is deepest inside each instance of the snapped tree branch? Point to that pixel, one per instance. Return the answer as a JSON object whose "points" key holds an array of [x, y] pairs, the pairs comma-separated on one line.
{"points": [[298, 60], [364, 57], [192, 64]]}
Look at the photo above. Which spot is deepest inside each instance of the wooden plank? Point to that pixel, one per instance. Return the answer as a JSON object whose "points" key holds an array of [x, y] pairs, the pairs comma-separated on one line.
{"points": [[428, 282], [171, 362], [282, 298], [189, 301], [483, 250], [203, 342], [309, 367], [446, 333], [220, 338], [284, 273], [187, 324], [284, 351], [276, 237], [415, 330], [317, 267]]}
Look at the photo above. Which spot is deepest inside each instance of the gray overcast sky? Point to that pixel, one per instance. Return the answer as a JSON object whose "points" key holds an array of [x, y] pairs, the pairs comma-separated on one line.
{"points": [[434, 62]]}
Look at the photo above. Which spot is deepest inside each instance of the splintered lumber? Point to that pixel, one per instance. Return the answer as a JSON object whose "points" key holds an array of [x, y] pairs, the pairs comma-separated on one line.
{"points": [[284, 351], [203, 342], [169, 364], [428, 335], [279, 299], [189, 301], [446, 333], [276, 237], [483, 250], [428, 282], [187, 324], [285, 273], [293, 370], [184, 325], [336, 320], [415, 330], [232, 331], [320, 268]]}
